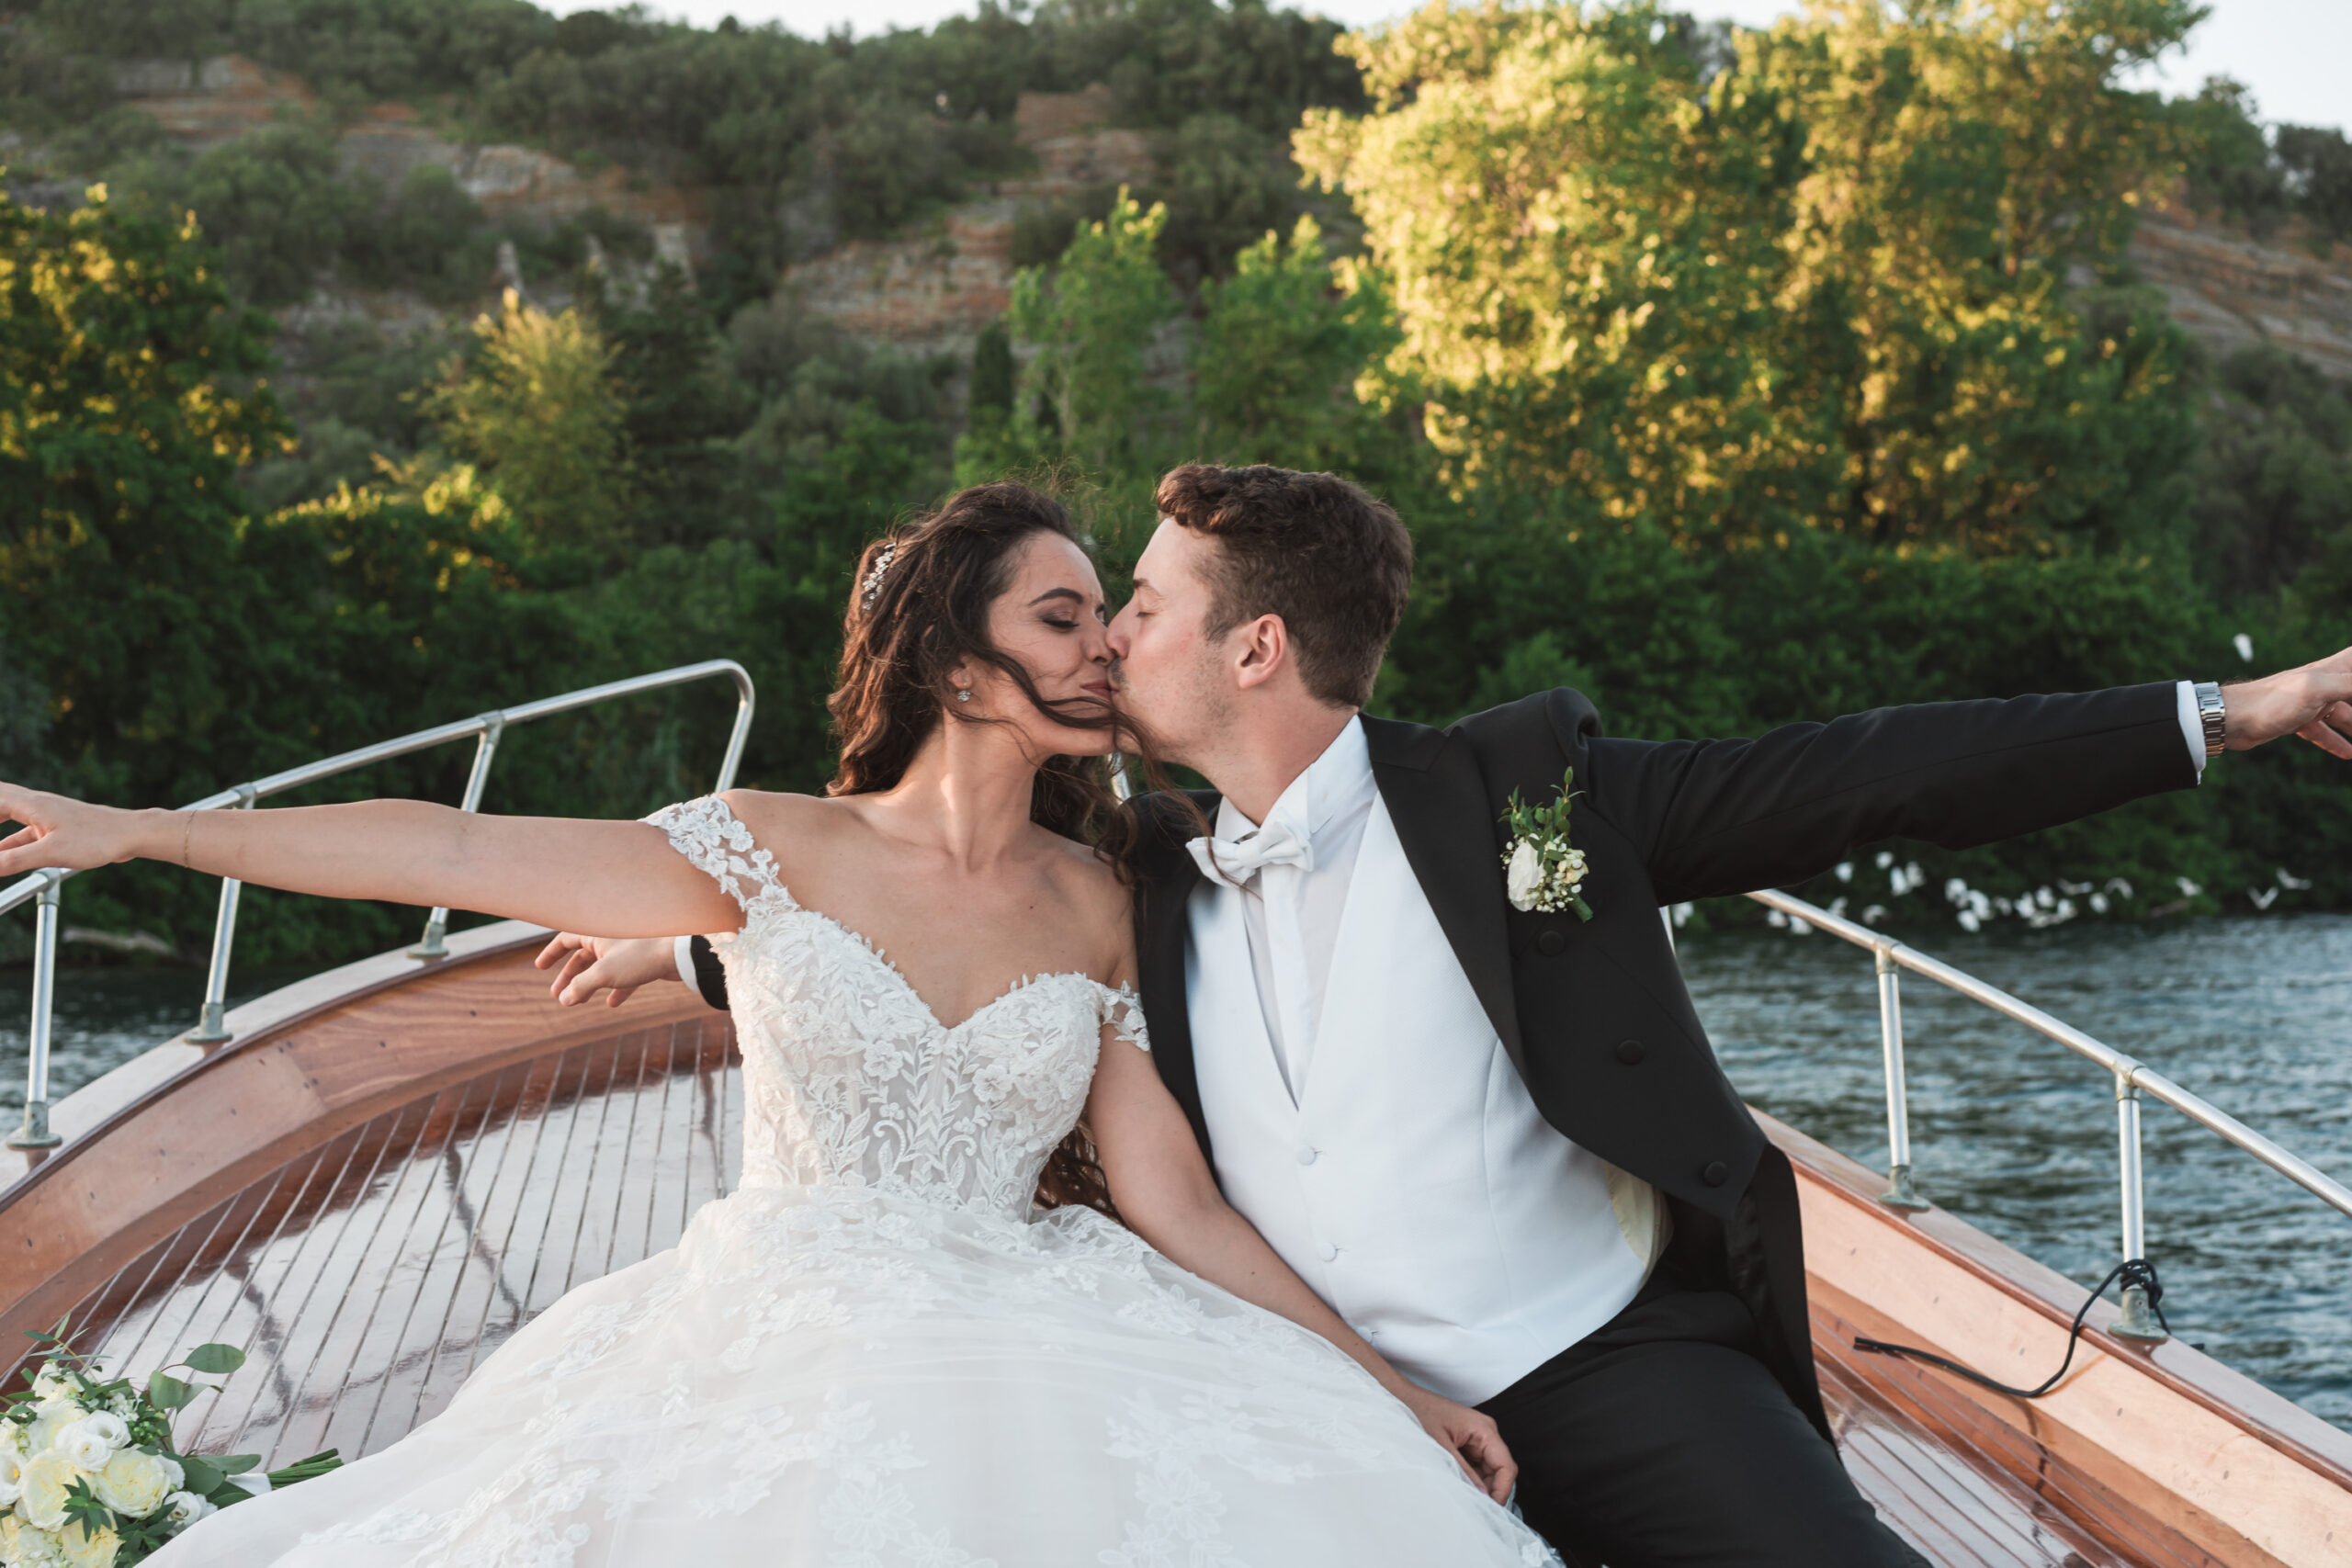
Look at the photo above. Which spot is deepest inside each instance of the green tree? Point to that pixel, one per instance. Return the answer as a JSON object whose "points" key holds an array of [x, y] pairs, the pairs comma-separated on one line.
{"points": [[1823, 286], [1281, 345], [535, 406], [130, 398], [279, 205], [1093, 319]]}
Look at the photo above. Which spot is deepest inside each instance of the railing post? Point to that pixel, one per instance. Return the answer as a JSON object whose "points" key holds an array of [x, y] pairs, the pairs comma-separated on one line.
{"points": [[741, 732], [437, 925], [1899, 1193], [35, 1133], [2137, 1322], [211, 1020]]}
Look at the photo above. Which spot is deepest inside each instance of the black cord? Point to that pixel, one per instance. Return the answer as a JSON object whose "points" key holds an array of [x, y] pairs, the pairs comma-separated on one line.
{"points": [[2130, 1271]]}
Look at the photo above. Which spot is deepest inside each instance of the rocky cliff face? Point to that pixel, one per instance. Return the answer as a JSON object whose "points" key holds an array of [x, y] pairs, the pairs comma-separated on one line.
{"points": [[2230, 290], [933, 291], [225, 97]]}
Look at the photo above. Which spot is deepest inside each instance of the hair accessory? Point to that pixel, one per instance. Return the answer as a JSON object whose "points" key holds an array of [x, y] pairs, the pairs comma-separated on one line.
{"points": [[872, 586]]}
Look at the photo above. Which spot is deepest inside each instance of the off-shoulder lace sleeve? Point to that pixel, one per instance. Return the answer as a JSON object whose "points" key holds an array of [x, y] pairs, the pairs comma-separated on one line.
{"points": [[1123, 1011], [716, 841]]}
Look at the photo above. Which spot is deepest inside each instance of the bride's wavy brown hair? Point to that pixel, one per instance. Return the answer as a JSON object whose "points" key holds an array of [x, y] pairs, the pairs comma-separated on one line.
{"points": [[919, 609]]}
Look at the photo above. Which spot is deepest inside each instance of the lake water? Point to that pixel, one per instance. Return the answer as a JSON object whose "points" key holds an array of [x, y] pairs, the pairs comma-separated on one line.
{"points": [[2007, 1129]]}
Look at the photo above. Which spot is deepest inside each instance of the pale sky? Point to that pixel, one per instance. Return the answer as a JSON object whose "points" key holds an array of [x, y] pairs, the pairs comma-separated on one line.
{"points": [[2293, 53]]}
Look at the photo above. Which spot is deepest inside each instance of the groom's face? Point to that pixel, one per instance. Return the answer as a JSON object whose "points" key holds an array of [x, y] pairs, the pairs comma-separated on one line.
{"points": [[1171, 675]]}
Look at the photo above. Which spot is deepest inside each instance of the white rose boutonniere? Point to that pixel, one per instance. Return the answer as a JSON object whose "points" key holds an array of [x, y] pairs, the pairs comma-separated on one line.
{"points": [[1541, 869]]}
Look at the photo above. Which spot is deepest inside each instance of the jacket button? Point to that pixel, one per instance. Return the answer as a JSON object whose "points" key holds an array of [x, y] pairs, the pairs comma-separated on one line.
{"points": [[1550, 944], [1716, 1173], [1631, 1051]]}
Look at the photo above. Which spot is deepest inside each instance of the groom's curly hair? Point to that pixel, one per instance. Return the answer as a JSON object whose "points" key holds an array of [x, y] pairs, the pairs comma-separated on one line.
{"points": [[1331, 560], [918, 609]]}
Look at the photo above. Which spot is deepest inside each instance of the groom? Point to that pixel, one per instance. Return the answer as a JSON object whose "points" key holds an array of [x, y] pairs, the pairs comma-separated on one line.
{"points": [[1495, 1139]]}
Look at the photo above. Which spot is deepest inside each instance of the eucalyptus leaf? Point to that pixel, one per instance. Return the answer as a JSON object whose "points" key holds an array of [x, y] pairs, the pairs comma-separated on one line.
{"points": [[235, 1464], [201, 1475], [168, 1391], [217, 1358]]}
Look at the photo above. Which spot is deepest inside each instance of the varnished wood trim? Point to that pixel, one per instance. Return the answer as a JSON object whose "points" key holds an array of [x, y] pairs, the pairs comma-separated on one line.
{"points": [[2244, 1473], [154, 1149]]}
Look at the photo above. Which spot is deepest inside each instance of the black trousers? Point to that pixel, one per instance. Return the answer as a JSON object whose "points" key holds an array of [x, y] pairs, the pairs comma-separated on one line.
{"points": [[1662, 1442]]}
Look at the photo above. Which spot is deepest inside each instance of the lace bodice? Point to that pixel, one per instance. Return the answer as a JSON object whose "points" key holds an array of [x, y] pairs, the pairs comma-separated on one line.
{"points": [[849, 1079]]}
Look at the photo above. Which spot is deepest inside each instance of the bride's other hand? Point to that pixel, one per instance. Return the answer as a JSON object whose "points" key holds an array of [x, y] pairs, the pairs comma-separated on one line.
{"points": [[614, 964], [1471, 1436], [57, 831]]}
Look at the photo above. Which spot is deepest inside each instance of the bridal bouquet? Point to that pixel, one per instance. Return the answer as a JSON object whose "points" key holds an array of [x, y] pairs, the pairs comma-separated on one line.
{"points": [[88, 1475]]}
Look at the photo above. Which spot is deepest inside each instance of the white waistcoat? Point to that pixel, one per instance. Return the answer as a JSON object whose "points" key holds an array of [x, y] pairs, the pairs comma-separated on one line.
{"points": [[1414, 1186]]}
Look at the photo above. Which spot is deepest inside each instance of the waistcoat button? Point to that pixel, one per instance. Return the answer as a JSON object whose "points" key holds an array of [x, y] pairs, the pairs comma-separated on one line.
{"points": [[1631, 1051], [1305, 1154], [1716, 1173], [1328, 1251], [1550, 944]]}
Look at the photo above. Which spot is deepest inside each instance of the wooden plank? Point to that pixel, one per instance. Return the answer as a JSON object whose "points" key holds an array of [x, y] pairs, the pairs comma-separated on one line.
{"points": [[2229, 1486]]}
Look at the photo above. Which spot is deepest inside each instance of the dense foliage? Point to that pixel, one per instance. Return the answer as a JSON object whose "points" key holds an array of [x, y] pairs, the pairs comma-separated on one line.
{"points": [[1736, 377]]}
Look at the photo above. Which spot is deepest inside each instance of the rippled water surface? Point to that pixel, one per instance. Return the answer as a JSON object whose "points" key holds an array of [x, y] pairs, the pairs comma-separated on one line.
{"points": [[2019, 1134], [2007, 1128]]}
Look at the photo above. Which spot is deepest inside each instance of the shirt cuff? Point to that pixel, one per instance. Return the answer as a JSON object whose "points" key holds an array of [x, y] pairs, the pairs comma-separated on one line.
{"points": [[682, 953], [2192, 724]]}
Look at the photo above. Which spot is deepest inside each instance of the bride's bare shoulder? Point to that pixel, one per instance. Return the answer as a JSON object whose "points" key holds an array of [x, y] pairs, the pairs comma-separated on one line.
{"points": [[1105, 902], [779, 821]]}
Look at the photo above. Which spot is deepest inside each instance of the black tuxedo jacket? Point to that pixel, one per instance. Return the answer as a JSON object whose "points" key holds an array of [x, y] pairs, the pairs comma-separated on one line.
{"points": [[1594, 1014]]}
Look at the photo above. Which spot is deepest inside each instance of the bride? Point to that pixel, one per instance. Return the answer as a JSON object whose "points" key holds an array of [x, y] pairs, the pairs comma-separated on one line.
{"points": [[875, 1351]]}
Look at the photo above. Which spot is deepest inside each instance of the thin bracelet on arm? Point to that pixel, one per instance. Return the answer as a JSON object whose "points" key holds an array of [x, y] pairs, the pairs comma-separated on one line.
{"points": [[187, 827]]}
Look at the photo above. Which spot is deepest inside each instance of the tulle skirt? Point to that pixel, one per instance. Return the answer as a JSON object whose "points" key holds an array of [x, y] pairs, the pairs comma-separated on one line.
{"points": [[842, 1377]]}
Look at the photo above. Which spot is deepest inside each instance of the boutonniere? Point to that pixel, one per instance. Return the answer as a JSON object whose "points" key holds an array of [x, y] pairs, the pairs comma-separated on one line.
{"points": [[1540, 870]]}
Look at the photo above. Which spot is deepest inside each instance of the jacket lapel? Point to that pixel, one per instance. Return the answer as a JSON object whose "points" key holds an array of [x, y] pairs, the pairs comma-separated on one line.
{"points": [[1169, 877], [1437, 800]]}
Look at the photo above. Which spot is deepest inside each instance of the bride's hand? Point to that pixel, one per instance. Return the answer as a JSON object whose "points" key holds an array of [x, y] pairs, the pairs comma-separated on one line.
{"points": [[592, 963], [61, 831], [1472, 1437]]}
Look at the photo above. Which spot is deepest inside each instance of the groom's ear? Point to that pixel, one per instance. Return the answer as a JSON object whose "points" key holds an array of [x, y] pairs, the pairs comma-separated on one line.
{"points": [[1262, 649]]}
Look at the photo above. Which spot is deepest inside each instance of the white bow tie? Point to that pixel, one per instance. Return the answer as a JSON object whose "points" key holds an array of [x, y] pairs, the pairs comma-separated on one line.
{"points": [[1235, 861]]}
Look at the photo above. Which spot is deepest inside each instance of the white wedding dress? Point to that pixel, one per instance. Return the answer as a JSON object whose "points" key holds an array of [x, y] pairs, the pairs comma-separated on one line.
{"points": [[872, 1355]]}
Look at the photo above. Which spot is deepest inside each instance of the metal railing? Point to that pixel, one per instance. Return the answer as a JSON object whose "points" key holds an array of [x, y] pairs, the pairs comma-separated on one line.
{"points": [[2133, 1079], [484, 729]]}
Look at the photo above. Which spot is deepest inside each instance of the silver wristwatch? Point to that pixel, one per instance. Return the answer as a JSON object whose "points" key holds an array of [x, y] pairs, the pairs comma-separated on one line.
{"points": [[2216, 716]]}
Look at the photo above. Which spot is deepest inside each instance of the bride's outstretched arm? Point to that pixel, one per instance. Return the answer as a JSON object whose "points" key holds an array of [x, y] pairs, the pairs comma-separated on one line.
{"points": [[619, 877], [1161, 1183]]}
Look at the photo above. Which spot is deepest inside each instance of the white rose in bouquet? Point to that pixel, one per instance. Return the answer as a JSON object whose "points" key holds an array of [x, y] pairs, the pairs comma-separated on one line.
{"points": [[136, 1483], [46, 1479], [53, 1381], [51, 1416], [92, 1440], [12, 1476], [82, 1549], [23, 1546], [185, 1508], [1523, 877]]}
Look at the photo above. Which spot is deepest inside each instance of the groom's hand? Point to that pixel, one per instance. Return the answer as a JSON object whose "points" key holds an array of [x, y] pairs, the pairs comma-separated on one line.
{"points": [[592, 963], [2314, 702], [1472, 1437]]}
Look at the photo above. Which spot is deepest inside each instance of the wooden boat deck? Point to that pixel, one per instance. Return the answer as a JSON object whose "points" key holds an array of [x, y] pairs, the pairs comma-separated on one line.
{"points": [[368, 1219]]}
